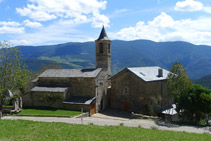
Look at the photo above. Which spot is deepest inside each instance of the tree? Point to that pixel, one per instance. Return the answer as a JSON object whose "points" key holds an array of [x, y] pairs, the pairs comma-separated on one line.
{"points": [[13, 75], [178, 81], [196, 103]]}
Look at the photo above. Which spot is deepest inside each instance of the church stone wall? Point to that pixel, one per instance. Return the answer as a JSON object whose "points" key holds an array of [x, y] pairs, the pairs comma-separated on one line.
{"points": [[101, 94], [82, 87], [53, 81], [131, 93]]}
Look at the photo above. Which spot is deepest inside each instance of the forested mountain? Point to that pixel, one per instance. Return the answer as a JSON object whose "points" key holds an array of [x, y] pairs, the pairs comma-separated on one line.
{"points": [[204, 81], [138, 53]]}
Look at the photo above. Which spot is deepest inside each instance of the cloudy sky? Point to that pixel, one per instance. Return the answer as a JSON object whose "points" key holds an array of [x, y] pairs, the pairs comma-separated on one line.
{"points": [[42, 22]]}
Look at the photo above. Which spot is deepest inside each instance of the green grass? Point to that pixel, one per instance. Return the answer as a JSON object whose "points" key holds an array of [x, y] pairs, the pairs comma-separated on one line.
{"points": [[48, 112], [30, 130], [7, 106]]}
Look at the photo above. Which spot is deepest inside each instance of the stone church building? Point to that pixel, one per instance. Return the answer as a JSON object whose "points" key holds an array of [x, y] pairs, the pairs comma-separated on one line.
{"points": [[132, 89]]}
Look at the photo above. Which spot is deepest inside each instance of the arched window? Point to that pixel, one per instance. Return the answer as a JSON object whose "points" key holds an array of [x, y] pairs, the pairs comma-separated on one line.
{"points": [[101, 47]]}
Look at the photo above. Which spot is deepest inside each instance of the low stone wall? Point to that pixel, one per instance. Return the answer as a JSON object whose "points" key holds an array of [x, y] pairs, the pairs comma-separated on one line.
{"points": [[141, 116]]}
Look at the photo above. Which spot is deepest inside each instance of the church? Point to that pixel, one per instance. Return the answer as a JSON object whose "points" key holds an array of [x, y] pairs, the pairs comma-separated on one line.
{"points": [[141, 89]]}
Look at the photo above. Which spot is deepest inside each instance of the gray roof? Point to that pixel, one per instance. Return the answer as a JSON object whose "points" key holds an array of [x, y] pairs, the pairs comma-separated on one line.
{"points": [[80, 100], [103, 35], [149, 73], [71, 73], [49, 89], [34, 80]]}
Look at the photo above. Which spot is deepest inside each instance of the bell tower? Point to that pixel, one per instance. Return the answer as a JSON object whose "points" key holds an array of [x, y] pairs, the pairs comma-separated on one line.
{"points": [[103, 52]]}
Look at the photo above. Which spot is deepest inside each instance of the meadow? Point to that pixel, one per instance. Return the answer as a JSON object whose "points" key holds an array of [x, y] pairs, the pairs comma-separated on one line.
{"points": [[31, 130], [48, 112]]}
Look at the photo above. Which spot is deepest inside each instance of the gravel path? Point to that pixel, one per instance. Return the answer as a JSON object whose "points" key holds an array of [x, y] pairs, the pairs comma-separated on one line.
{"points": [[116, 122]]}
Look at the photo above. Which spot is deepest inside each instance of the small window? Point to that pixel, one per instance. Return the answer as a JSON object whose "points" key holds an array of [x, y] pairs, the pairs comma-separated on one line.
{"points": [[101, 47], [109, 48]]}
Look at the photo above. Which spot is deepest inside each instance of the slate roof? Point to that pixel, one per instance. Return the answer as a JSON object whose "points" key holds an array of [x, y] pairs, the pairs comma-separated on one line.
{"points": [[80, 100], [49, 89], [149, 73], [34, 80], [71, 73], [103, 35]]}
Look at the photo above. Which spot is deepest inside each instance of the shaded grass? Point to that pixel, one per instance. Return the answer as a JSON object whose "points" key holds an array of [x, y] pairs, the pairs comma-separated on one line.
{"points": [[30, 130], [48, 112], [7, 106]]}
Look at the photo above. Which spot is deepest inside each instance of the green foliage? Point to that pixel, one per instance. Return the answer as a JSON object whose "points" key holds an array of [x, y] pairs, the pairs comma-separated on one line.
{"points": [[196, 103], [13, 76], [31, 130], [178, 81], [193, 99], [204, 81]]}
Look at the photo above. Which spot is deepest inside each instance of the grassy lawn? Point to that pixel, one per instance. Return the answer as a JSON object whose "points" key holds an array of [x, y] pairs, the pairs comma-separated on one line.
{"points": [[7, 106], [30, 130], [48, 112]]}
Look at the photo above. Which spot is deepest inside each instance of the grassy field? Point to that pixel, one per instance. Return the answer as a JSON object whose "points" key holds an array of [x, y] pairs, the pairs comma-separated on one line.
{"points": [[30, 130], [48, 112]]}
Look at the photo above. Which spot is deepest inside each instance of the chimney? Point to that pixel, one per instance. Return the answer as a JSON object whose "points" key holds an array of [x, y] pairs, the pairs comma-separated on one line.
{"points": [[160, 72]]}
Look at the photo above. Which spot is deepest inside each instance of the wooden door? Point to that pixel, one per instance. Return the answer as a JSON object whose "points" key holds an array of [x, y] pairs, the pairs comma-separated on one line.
{"points": [[92, 109], [126, 106]]}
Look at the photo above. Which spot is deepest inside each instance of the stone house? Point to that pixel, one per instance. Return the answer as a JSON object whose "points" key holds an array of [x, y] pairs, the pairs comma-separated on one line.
{"points": [[140, 89]]}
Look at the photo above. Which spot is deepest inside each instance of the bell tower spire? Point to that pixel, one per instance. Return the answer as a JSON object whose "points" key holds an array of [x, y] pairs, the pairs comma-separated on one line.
{"points": [[103, 52]]}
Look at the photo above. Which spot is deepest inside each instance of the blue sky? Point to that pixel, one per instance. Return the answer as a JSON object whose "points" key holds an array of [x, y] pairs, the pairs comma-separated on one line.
{"points": [[43, 22]]}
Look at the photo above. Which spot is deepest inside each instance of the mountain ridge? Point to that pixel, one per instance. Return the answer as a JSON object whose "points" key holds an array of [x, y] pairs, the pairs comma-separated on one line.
{"points": [[137, 53]]}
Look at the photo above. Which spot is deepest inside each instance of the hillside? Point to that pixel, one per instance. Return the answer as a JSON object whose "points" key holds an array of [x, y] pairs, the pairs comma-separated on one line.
{"points": [[195, 58], [204, 81]]}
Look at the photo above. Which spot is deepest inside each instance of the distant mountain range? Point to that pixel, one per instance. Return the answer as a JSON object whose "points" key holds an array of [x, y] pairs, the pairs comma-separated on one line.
{"points": [[138, 53], [204, 81]]}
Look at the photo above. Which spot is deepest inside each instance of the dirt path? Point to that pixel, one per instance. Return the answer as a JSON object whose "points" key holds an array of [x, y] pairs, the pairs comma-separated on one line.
{"points": [[102, 121]]}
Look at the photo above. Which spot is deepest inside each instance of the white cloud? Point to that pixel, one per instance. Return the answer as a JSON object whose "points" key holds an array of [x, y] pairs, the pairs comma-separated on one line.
{"points": [[14, 24], [79, 11], [32, 24], [188, 5], [99, 20], [207, 9], [165, 28], [57, 32], [191, 6], [13, 30], [10, 27], [19, 42]]}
